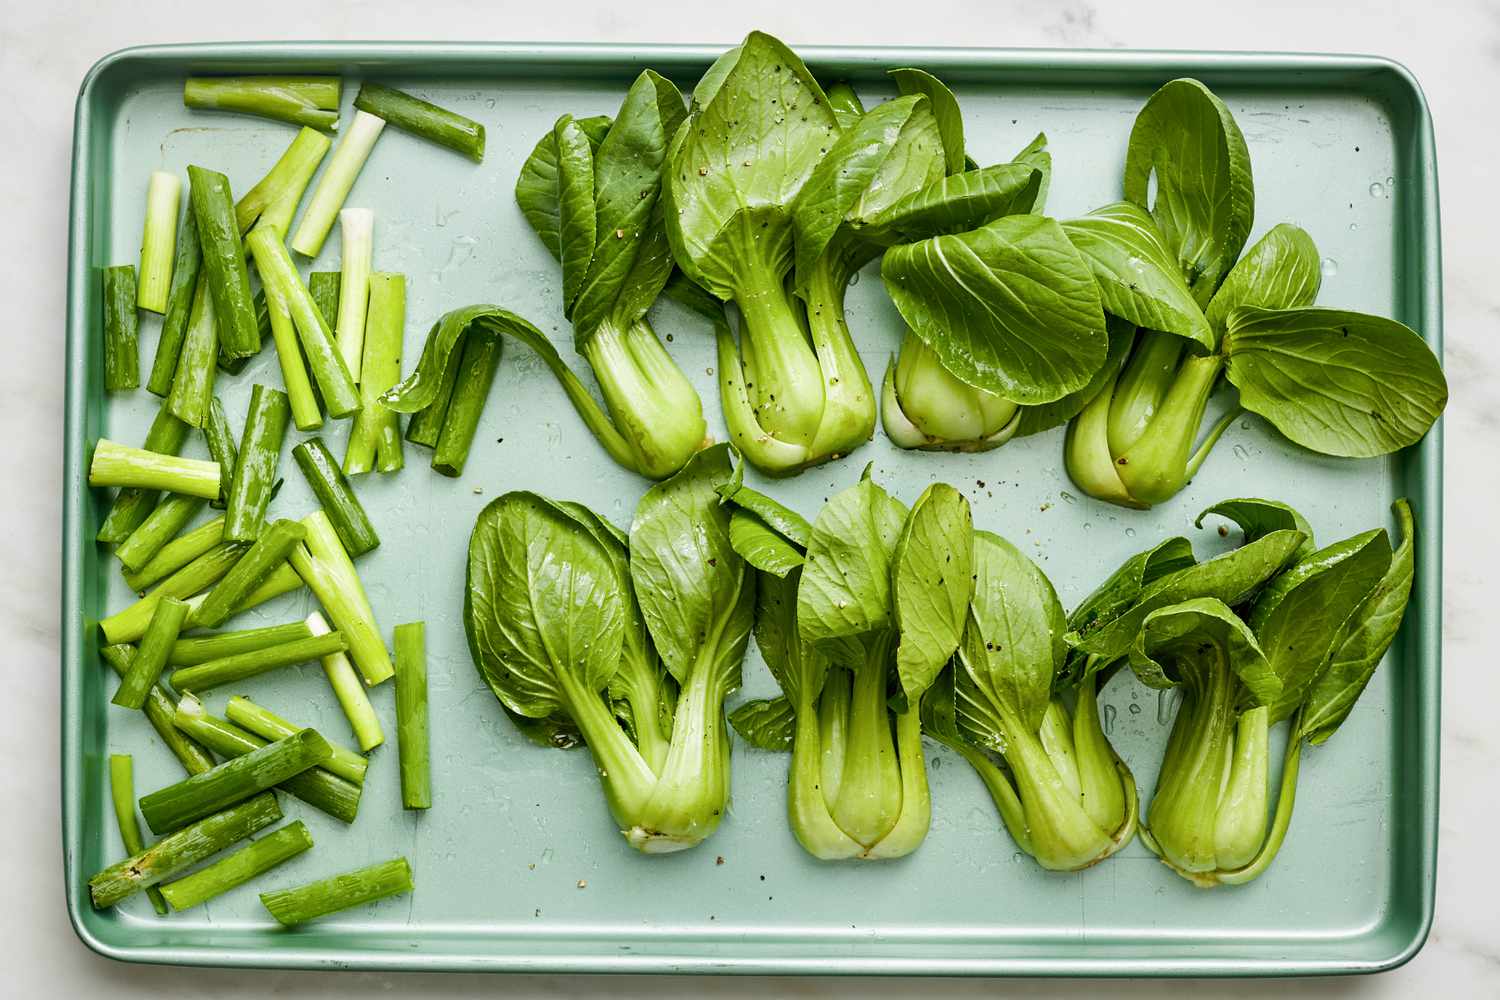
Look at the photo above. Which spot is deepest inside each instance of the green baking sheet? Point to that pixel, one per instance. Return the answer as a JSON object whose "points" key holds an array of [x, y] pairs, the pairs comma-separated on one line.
{"points": [[517, 866]]}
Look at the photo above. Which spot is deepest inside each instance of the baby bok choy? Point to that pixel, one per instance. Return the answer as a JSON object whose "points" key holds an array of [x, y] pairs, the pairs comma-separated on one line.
{"points": [[856, 616], [632, 645], [1167, 260]]}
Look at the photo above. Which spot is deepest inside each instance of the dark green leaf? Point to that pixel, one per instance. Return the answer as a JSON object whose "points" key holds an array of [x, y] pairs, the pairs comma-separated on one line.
{"points": [[799, 668], [1187, 643], [576, 214], [932, 576], [950, 119], [760, 545], [1258, 517], [767, 724], [955, 205], [786, 522], [1036, 155], [1281, 271], [846, 583]]}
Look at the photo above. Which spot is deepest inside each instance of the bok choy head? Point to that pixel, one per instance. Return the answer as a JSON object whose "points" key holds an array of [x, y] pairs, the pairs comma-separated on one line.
{"points": [[634, 647]]}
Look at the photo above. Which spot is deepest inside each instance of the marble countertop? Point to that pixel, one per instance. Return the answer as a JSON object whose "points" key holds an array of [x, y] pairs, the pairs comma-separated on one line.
{"points": [[1454, 50]]}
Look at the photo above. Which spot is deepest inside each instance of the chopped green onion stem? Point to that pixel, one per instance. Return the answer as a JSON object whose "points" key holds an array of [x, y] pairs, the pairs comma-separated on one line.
{"points": [[242, 666], [411, 715], [275, 197], [264, 557], [193, 386], [159, 240], [224, 262], [476, 373], [350, 692], [192, 799], [335, 496], [300, 100], [283, 581], [122, 794], [176, 554], [130, 624], [151, 655], [306, 414], [375, 438], [167, 436], [325, 567], [268, 725], [255, 858], [329, 895], [414, 115], [333, 187], [201, 649], [174, 324], [116, 464], [255, 470], [171, 515], [357, 238], [122, 360], [161, 711]]}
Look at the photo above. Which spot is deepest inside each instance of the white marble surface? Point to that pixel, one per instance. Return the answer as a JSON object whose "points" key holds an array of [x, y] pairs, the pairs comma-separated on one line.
{"points": [[45, 48]]}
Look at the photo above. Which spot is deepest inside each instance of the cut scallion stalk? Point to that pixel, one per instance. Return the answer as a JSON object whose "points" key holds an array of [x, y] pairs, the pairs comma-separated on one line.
{"points": [[421, 118], [132, 506], [325, 567], [323, 286], [151, 655], [122, 361], [357, 238], [306, 414], [476, 373], [255, 470], [350, 692], [340, 892], [172, 514], [253, 569], [181, 850], [197, 363], [242, 666], [201, 649], [116, 464], [122, 794], [426, 426], [200, 574], [319, 788], [224, 262], [268, 725], [335, 496], [161, 711], [159, 240], [174, 324], [255, 858], [175, 554], [283, 581], [300, 100], [233, 781], [328, 368], [412, 741], [275, 198], [219, 437], [234, 365], [333, 187], [375, 438]]}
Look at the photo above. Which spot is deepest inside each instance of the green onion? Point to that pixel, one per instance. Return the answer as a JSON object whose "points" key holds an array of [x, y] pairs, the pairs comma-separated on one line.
{"points": [[116, 464], [131, 507], [327, 570], [328, 368], [159, 240], [122, 362], [192, 799], [301, 100], [306, 414], [476, 373], [350, 692], [255, 470], [130, 624], [377, 428], [161, 710], [255, 858], [234, 364], [171, 515], [426, 426], [274, 199], [335, 496], [323, 286], [411, 715], [329, 895], [193, 385], [224, 261], [333, 187], [283, 581], [268, 725], [201, 649], [175, 554], [151, 656], [267, 554], [414, 115], [122, 794], [179, 851], [242, 666], [174, 324], [219, 437], [318, 787], [357, 235]]}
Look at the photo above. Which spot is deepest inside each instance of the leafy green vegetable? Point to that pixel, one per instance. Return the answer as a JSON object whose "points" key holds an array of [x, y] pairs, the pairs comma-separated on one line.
{"points": [[950, 120]]}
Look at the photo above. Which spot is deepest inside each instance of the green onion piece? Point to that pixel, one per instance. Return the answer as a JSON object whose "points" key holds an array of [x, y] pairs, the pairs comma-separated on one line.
{"points": [[283, 581], [161, 710], [268, 725], [426, 426], [328, 368], [255, 471], [300, 100], [350, 691], [255, 858], [193, 385], [323, 286], [242, 666], [174, 324], [318, 787], [420, 118], [224, 261], [220, 439], [325, 567], [192, 799], [375, 438], [275, 198], [122, 794], [167, 436], [171, 515], [233, 365], [130, 624], [176, 554], [264, 557], [335, 496], [333, 187], [357, 234], [181, 850], [201, 649], [340, 892], [116, 464], [411, 715], [122, 362], [159, 240], [306, 414], [151, 656], [476, 373]]}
